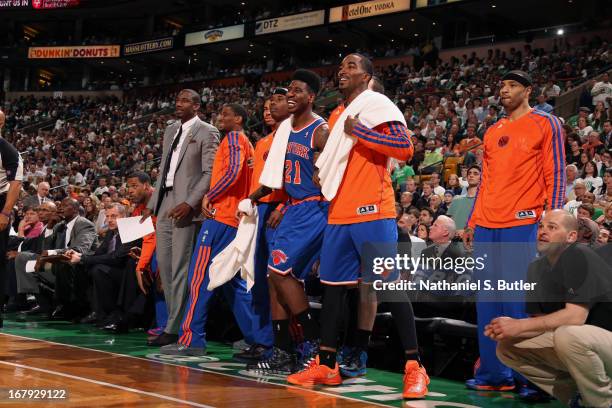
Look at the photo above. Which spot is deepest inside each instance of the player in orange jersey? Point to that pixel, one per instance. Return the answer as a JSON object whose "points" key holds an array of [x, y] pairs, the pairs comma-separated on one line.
{"points": [[523, 170], [361, 223], [269, 209], [230, 183]]}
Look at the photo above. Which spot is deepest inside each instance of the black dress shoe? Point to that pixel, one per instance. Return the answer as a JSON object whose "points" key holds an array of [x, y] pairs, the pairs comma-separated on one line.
{"points": [[163, 340], [90, 318]]}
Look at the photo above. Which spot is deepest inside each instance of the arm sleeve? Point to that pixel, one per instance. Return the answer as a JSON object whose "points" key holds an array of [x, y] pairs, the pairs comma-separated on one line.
{"points": [[553, 160], [116, 258], [149, 243], [236, 160], [11, 161], [390, 138]]}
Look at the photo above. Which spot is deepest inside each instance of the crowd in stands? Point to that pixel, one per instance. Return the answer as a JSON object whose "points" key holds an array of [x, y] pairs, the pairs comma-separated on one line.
{"points": [[448, 106]]}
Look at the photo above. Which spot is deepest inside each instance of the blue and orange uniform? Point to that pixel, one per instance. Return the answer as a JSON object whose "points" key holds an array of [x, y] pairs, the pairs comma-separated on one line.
{"points": [[364, 207], [523, 169], [230, 183], [298, 238], [265, 238]]}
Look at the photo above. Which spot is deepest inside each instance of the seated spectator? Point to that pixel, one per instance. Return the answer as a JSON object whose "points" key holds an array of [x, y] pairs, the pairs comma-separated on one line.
{"points": [[589, 199], [588, 232], [107, 266], [542, 105], [42, 195], [574, 152], [426, 217], [593, 145], [405, 234], [564, 347], [423, 200], [433, 158], [406, 200], [579, 191], [28, 250], [571, 171], [461, 206], [423, 233], [453, 185], [30, 226], [436, 205], [401, 174], [604, 236], [435, 184], [583, 129], [76, 234], [437, 303]]}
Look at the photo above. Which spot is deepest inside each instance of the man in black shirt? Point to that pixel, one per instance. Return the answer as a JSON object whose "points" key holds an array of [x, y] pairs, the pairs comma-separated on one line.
{"points": [[11, 175], [566, 344]]}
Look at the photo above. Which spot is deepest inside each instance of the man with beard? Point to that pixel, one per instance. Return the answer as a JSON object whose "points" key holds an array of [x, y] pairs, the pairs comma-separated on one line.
{"points": [[523, 170], [188, 153], [299, 236], [362, 214], [270, 210]]}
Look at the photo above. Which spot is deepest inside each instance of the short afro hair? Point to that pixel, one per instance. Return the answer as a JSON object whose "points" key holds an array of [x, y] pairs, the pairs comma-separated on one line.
{"points": [[310, 78], [366, 63], [239, 110]]}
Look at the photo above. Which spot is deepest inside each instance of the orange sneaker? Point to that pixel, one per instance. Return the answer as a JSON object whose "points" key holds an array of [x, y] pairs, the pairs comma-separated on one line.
{"points": [[416, 380], [315, 374]]}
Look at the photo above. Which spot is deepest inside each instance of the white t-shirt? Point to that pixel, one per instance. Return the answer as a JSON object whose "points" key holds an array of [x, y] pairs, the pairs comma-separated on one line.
{"points": [[572, 207], [601, 91]]}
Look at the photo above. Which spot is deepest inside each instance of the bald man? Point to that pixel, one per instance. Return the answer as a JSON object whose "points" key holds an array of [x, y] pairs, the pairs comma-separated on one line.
{"points": [[11, 175], [565, 345], [41, 196]]}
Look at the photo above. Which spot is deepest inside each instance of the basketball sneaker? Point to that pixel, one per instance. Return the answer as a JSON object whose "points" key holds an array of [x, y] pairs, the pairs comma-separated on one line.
{"points": [[316, 373], [278, 362], [352, 362], [416, 380]]}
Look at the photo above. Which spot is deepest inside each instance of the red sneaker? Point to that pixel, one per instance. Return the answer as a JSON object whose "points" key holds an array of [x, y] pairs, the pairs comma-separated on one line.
{"points": [[416, 380], [315, 374]]}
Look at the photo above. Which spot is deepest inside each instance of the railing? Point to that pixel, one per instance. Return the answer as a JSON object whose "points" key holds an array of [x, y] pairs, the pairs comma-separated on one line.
{"points": [[566, 104]]}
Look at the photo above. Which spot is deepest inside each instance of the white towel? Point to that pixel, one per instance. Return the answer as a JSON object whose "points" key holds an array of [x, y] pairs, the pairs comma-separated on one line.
{"points": [[373, 109], [274, 167], [240, 253]]}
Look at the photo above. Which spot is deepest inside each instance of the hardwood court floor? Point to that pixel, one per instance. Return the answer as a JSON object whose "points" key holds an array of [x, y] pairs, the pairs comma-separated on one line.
{"points": [[94, 378], [99, 369]]}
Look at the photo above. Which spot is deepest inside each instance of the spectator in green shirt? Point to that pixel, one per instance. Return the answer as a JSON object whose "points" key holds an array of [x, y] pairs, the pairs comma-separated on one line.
{"points": [[401, 174], [432, 156]]}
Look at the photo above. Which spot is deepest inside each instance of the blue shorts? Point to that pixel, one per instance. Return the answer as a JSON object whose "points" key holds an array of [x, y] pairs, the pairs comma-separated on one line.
{"points": [[298, 239], [349, 252]]}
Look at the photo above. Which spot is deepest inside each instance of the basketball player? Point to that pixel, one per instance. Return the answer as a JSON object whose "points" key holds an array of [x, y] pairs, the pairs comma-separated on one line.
{"points": [[350, 229], [299, 236], [270, 214], [230, 183], [523, 167]]}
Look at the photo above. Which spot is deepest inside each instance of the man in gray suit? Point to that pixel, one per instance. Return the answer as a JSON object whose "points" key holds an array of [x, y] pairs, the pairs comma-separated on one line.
{"points": [[185, 171], [78, 234]]}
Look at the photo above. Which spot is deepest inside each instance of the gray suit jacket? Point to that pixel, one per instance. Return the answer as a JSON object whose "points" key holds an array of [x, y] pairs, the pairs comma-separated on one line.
{"points": [[194, 167], [82, 236], [32, 201]]}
